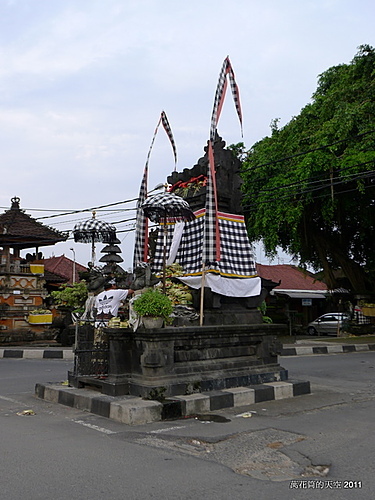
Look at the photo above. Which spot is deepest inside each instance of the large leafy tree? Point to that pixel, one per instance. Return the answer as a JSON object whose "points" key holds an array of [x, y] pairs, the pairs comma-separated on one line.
{"points": [[309, 188]]}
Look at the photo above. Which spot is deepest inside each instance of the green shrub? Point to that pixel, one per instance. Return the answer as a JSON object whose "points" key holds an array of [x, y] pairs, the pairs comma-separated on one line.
{"points": [[72, 296], [153, 303]]}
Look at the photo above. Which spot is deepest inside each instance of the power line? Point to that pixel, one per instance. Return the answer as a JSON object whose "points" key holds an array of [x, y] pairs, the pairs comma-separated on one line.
{"points": [[83, 219], [70, 212], [124, 220], [287, 196], [86, 209], [310, 150], [310, 182]]}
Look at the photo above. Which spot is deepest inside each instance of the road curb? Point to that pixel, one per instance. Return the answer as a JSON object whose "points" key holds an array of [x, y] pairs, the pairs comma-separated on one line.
{"points": [[288, 350], [132, 410], [325, 349], [36, 353]]}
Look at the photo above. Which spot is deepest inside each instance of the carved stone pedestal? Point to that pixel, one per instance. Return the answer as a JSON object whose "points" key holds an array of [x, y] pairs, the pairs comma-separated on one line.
{"points": [[177, 361]]}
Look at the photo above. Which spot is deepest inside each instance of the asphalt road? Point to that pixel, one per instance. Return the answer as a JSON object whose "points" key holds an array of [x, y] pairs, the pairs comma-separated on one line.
{"points": [[314, 446]]}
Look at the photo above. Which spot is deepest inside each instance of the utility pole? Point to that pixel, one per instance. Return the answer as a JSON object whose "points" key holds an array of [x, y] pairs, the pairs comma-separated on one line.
{"points": [[74, 266]]}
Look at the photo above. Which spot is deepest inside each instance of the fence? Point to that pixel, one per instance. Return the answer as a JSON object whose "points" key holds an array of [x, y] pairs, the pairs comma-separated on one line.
{"points": [[91, 352]]}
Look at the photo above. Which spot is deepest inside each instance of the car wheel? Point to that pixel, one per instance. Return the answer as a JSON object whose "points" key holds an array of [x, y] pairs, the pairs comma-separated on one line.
{"points": [[311, 331]]}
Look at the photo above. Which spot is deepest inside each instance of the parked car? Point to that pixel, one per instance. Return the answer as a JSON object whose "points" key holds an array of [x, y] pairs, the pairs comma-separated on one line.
{"points": [[328, 324]]}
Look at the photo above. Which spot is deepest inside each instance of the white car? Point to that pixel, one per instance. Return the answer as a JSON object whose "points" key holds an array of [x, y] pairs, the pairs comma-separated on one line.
{"points": [[328, 324]]}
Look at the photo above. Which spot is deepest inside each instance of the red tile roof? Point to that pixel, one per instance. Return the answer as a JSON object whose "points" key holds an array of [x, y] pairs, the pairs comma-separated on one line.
{"points": [[63, 266], [291, 277]]}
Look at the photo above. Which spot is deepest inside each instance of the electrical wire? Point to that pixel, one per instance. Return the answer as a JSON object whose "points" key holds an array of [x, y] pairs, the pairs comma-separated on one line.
{"points": [[287, 196], [319, 180], [88, 209], [310, 150], [329, 182]]}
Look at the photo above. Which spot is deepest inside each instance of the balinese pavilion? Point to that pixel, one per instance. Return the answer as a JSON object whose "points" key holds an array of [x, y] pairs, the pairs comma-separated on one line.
{"points": [[22, 280]]}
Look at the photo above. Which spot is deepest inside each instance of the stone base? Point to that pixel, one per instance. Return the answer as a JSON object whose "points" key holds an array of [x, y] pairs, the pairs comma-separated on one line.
{"points": [[168, 386], [111, 386], [131, 410], [177, 361]]}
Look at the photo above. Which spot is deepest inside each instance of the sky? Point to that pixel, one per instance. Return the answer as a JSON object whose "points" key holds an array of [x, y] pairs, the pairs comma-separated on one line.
{"points": [[83, 83]]}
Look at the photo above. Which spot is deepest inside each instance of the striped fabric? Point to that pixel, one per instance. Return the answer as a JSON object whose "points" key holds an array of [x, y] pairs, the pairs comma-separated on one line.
{"points": [[167, 128], [211, 234], [141, 228], [220, 95], [211, 239], [236, 251]]}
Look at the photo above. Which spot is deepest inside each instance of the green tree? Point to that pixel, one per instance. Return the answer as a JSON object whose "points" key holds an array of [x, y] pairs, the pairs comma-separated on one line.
{"points": [[72, 296], [309, 187]]}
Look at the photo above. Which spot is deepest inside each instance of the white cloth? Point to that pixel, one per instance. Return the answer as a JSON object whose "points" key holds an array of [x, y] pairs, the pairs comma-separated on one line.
{"points": [[176, 240], [107, 304], [88, 314], [135, 321], [231, 287]]}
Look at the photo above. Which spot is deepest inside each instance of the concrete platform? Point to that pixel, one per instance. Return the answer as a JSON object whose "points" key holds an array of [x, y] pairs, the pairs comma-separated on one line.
{"points": [[132, 410]]}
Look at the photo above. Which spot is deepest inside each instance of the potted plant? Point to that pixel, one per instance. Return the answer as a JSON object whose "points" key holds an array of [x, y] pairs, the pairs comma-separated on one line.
{"points": [[153, 304], [40, 317]]}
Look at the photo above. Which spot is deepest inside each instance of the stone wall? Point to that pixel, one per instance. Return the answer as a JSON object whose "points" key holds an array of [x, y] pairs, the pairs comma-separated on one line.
{"points": [[176, 361]]}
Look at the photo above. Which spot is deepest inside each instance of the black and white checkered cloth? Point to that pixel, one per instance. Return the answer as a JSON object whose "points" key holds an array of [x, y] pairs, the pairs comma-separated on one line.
{"points": [[161, 205], [212, 234], [168, 130], [220, 94], [141, 228], [236, 251], [211, 231], [359, 317], [94, 230]]}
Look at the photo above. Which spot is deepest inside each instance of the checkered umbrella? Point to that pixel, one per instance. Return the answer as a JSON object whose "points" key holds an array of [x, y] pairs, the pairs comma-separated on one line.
{"points": [[164, 207], [94, 231]]}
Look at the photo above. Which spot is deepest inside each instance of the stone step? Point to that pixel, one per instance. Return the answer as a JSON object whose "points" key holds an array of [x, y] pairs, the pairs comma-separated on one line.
{"points": [[132, 410]]}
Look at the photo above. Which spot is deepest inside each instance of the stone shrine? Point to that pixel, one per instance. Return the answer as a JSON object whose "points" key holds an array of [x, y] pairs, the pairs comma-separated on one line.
{"points": [[233, 348]]}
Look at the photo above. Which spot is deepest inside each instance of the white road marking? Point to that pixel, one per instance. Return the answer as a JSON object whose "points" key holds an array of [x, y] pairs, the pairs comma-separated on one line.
{"points": [[11, 400], [167, 429], [94, 427]]}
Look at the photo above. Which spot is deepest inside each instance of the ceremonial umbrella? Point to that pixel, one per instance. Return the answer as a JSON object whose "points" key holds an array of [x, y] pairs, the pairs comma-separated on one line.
{"points": [[163, 207], [94, 231]]}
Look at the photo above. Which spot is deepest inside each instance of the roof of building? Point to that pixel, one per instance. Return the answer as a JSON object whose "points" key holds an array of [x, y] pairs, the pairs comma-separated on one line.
{"points": [[63, 266], [54, 279], [17, 229], [290, 277]]}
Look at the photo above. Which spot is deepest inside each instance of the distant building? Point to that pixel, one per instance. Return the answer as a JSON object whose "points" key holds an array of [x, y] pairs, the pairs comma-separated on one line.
{"points": [[60, 270], [298, 298], [22, 280]]}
